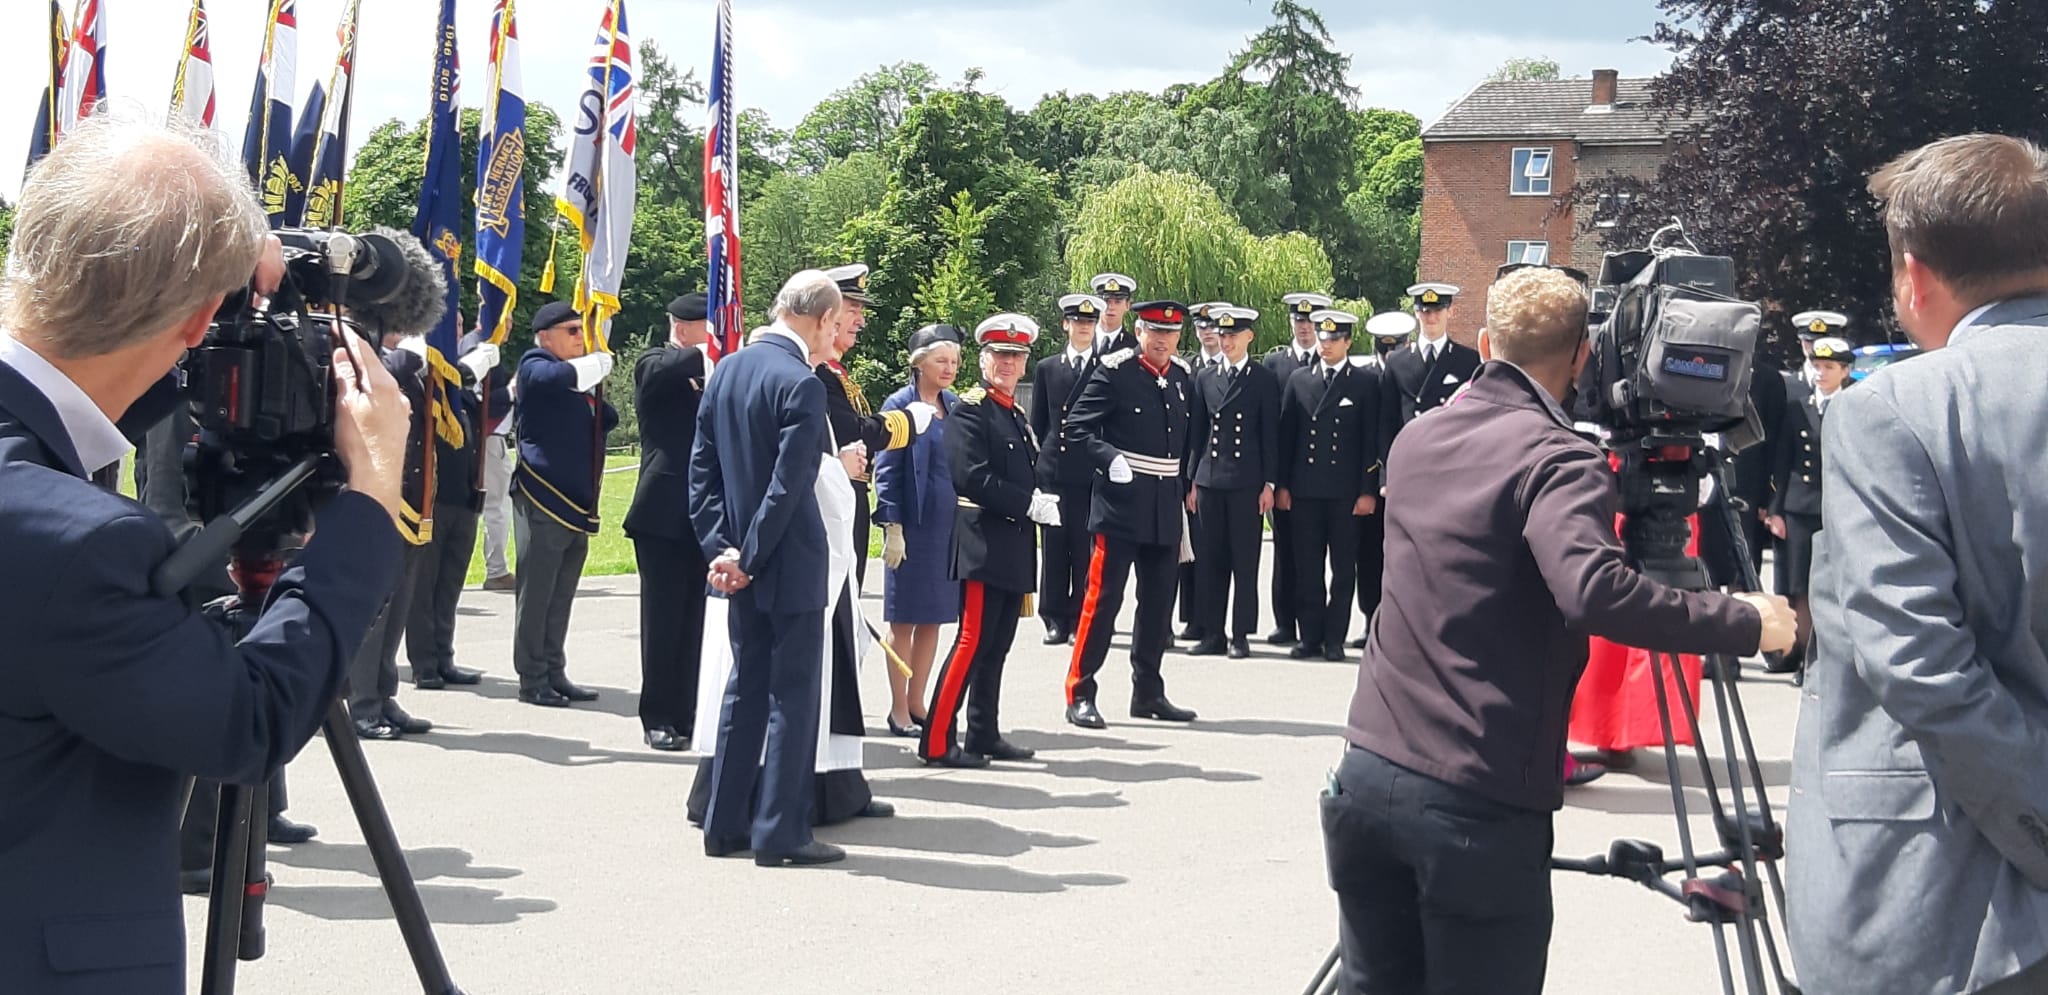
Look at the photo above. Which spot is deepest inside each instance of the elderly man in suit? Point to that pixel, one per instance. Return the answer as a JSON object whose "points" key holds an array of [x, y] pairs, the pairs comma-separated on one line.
{"points": [[761, 432], [1918, 828], [129, 237]]}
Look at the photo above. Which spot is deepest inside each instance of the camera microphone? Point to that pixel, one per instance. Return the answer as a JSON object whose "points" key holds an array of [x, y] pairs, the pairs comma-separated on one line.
{"points": [[396, 286]]}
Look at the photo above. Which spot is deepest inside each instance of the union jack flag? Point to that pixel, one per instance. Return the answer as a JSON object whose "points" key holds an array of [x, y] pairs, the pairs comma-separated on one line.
{"points": [[722, 199], [85, 71]]}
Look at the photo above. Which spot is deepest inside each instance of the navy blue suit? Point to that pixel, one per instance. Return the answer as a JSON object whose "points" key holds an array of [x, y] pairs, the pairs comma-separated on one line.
{"points": [[111, 695], [761, 431]]}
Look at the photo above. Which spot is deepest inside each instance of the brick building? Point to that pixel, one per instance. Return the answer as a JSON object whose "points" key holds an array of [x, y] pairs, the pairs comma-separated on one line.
{"points": [[1499, 169]]}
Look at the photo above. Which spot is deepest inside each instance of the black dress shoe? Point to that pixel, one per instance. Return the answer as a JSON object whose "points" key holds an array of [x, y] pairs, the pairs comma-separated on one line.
{"points": [[1192, 633], [1280, 637], [725, 848], [665, 739], [1357, 644], [1056, 633], [285, 832], [911, 731], [377, 728], [809, 855], [1334, 654], [462, 675], [1239, 649], [429, 681], [1003, 749], [1161, 709], [407, 724], [544, 697], [957, 757], [876, 809], [573, 692], [1303, 651], [1212, 646], [1082, 713]]}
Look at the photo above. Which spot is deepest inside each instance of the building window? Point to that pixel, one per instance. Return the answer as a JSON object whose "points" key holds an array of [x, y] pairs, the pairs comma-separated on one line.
{"points": [[1533, 253], [1608, 212], [1531, 174]]}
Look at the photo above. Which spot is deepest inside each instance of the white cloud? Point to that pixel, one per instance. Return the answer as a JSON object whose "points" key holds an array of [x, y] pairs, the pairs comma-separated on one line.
{"points": [[786, 60]]}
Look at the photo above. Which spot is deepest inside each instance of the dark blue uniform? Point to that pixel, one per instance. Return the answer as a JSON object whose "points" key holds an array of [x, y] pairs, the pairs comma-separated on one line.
{"points": [[668, 387], [1331, 433], [1283, 361], [554, 491], [1236, 451], [1064, 471]]}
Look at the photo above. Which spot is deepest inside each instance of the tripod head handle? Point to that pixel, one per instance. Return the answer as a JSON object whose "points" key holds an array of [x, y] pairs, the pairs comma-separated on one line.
{"points": [[210, 545]]}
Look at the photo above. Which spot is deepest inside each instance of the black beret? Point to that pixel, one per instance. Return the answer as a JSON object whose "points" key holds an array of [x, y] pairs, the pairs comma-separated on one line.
{"points": [[690, 307], [553, 313]]}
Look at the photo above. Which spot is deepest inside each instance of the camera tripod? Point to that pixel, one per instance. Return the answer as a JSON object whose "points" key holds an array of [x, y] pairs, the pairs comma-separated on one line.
{"points": [[234, 913]]}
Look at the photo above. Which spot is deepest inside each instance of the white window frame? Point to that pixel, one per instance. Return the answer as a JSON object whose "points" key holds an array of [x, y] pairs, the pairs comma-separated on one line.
{"points": [[1518, 251], [1521, 181], [1607, 214]]}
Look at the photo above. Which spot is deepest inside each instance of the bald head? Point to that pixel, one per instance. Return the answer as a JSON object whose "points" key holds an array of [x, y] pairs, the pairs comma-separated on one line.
{"points": [[125, 230]]}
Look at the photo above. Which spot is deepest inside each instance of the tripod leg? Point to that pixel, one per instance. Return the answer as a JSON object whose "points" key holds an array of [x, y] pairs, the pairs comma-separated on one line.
{"points": [[223, 905], [399, 887], [255, 878], [1325, 981]]}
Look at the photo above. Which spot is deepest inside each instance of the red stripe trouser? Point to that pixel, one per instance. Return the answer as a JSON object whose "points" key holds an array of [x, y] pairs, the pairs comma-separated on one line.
{"points": [[1158, 568], [973, 672]]}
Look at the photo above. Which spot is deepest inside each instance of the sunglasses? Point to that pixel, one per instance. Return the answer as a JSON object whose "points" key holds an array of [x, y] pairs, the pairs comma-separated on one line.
{"points": [[1576, 274]]}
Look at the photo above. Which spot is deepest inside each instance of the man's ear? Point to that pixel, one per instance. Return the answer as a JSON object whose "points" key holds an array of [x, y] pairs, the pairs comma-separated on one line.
{"points": [[192, 330], [1485, 346]]}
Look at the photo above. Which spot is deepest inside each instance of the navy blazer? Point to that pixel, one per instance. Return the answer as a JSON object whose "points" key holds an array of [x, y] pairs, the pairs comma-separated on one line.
{"points": [[111, 695], [753, 472], [668, 385]]}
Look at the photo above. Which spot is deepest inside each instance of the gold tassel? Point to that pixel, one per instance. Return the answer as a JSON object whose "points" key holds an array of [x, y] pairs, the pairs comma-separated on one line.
{"points": [[1030, 607]]}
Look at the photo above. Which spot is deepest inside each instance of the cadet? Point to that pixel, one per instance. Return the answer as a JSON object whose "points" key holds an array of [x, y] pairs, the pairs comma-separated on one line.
{"points": [[1131, 424], [1115, 290], [1236, 462], [1283, 361], [1064, 471], [1208, 354], [991, 450], [1330, 429], [1389, 331], [1814, 326], [1428, 372], [846, 405], [1795, 508]]}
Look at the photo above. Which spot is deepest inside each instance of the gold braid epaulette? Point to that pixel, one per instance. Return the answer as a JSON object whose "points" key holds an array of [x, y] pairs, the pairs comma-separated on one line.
{"points": [[854, 396], [897, 424]]}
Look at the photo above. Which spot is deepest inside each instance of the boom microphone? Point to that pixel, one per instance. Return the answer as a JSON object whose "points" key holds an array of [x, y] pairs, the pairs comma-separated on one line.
{"points": [[385, 277]]}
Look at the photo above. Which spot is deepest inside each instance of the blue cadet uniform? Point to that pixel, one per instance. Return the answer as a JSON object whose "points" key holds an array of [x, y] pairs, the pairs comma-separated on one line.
{"points": [[1235, 453], [1283, 360], [1064, 472]]}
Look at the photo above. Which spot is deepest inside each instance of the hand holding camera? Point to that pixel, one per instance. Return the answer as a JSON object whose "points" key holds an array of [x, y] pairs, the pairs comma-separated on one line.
{"points": [[1780, 625], [372, 418]]}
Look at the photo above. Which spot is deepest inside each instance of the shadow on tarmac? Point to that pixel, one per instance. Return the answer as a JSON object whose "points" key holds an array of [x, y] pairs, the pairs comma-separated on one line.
{"points": [[556, 750], [963, 876], [447, 904], [426, 863], [1009, 797], [621, 702], [948, 834]]}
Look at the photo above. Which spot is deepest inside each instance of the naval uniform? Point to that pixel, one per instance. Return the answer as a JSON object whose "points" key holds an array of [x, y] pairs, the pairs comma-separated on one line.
{"points": [[1283, 361], [846, 407], [1414, 382], [1798, 481], [1063, 470], [1236, 455], [668, 387], [373, 673], [1331, 430], [992, 454], [1140, 412]]}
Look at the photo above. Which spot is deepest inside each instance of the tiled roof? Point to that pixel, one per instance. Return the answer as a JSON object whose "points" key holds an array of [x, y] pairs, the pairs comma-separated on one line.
{"points": [[1552, 109]]}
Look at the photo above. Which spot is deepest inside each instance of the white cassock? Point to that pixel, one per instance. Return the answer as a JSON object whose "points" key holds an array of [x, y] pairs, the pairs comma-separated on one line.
{"points": [[835, 752]]}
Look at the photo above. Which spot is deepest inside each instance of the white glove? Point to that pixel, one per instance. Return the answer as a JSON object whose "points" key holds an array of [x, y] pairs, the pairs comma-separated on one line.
{"points": [[592, 369], [481, 360], [1119, 470], [921, 415], [1045, 509], [892, 545]]}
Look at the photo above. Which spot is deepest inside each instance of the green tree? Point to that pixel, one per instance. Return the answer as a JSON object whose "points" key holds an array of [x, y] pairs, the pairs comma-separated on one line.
{"points": [[1526, 69], [6, 225], [862, 117], [669, 118], [1306, 104], [957, 293]]}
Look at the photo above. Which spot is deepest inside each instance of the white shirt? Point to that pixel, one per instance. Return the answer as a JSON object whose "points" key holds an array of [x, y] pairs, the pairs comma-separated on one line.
{"points": [[1075, 357], [1971, 318], [1327, 370], [1429, 347], [1302, 357], [1223, 363], [1214, 358], [789, 333], [93, 435], [1822, 397]]}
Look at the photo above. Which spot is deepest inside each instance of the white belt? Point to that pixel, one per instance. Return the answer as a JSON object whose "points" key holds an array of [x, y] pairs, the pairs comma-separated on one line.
{"points": [[1152, 466]]}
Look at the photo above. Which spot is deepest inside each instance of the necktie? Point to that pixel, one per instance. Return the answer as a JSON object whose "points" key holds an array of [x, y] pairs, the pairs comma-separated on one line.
{"points": [[1329, 374]]}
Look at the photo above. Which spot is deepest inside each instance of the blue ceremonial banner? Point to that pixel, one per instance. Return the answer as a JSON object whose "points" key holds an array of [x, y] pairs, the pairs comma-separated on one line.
{"points": [[304, 141], [501, 182], [324, 182], [439, 214], [267, 142]]}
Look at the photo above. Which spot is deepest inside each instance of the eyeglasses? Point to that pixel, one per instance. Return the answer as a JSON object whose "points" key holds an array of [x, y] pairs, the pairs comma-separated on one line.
{"points": [[1576, 274]]}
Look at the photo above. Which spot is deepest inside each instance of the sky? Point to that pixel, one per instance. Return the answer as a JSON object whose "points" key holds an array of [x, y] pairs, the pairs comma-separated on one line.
{"points": [[790, 54]]}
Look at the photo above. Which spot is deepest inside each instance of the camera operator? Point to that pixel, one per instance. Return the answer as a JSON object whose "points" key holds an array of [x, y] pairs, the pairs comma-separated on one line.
{"points": [[1438, 820], [128, 237]]}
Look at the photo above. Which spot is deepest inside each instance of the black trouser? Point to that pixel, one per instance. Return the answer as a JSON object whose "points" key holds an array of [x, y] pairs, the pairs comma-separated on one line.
{"points": [[1066, 549], [1184, 590], [1108, 569], [1372, 542], [1325, 530], [672, 576], [430, 628], [1283, 572], [1439, 890], [974, 670], [550, 566], [862, 531], [373, 673], [1227, 527]]}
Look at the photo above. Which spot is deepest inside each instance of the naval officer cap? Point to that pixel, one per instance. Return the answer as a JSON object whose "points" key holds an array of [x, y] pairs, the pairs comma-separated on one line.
{"points": [[1162, 316], [852, 279], [1814, 324], [1232, 320], [1108, 285], [1331, 324], [1081, 307], [1836, 349], [1007, 332], [1430, 296], [1391, 325], [1300, 306], [690, 307], [1204, 313]]}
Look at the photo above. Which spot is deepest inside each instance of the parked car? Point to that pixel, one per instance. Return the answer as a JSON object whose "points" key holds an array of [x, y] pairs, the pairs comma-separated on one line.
{"points": [[1872, 358]]}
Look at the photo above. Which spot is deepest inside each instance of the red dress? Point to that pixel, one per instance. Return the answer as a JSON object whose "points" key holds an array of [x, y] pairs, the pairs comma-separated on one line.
{"points": [[1615, 706]]}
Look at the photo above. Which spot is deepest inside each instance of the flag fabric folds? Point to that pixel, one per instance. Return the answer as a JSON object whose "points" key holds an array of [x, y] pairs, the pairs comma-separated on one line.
{"points": [[330, 146], [48, 118], [598, 180], [267, 141], [501, 181], [435, 222], [85, 66], [304, 138], [722, 198], [192, 91]]}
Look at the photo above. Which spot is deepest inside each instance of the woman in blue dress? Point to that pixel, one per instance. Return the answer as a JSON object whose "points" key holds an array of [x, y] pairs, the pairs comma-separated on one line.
{"points": [[914, 504]]}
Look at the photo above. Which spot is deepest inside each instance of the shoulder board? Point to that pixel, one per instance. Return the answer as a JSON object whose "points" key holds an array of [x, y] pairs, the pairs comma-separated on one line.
{"points": [[1115, 359], [1183, 364], [974, 396]]}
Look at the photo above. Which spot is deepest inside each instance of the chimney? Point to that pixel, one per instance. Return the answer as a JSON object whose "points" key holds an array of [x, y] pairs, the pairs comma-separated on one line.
{"points": [[1605, 81]]}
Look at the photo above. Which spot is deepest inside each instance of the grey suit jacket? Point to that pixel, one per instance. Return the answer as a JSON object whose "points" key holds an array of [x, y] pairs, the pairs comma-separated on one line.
{"points": [[1917, 856]]}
